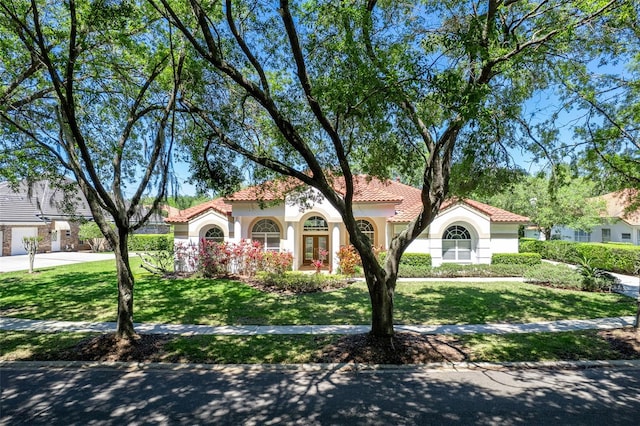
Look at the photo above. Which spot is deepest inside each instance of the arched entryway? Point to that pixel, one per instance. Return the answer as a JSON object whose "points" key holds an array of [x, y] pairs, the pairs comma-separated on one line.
{"points": [[315, 240]]}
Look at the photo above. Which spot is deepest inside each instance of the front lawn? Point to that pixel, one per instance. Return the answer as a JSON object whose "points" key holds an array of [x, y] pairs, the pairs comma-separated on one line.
{"points": [[88, 292]]}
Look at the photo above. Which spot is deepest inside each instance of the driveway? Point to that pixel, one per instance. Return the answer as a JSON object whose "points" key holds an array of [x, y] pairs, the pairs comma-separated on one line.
{"points": [[47, 260]]}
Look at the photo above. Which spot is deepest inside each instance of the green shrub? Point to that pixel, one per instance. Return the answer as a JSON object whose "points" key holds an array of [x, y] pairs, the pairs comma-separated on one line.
{"points": [[416, 259], [516, 259], [558, 276], [620, 258], [454, 270], [150, 242], [414, 271], [299, 282], [530, 245]]}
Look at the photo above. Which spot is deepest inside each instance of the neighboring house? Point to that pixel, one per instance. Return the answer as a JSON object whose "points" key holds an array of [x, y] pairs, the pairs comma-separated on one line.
{"points": [[620, 224], [40, 212], [154, 225], [465, 231]]}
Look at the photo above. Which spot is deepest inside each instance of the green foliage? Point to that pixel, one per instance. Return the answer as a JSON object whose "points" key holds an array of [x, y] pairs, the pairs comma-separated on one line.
{"points": [[412, 265], [300, 282], [623, 259], [556, 276], [54, 293], [455, 270], [556, 200], [593, 278], [516, 259], [416, 259], [151, 242]]}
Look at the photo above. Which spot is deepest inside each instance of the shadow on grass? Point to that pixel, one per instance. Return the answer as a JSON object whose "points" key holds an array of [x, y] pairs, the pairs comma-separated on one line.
{"points": [[88, 292]]}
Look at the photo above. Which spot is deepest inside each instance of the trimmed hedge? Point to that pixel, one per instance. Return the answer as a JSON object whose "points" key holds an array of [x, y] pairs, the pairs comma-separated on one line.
{"points": [[624, 259], [412, 265], [299, 282], [150, 242], [516, 259], [411, 259]]}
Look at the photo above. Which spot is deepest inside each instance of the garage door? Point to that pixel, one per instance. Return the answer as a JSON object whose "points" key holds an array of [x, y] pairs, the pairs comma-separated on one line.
{"points": [[17, 234]]}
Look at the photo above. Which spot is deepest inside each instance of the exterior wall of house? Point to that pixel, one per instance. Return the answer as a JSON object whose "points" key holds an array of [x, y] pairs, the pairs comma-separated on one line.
{"points": [[56, 236], [504, 238], [485, 238], [617, 230], [478, 225]]}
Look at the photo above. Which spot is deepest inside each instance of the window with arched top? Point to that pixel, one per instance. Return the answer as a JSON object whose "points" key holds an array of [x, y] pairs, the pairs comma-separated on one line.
{"points": [[316, 223], [367, 229], [214, 234], [268, 233], [456, 244]]}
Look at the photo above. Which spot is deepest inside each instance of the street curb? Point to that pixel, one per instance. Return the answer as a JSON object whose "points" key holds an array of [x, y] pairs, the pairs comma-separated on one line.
{"points": [[323, 367]]}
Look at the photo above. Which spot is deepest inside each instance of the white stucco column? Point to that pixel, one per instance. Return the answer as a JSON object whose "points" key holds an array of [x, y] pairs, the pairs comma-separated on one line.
{"points": [[335, 246], [290, 244], [237, 231]]}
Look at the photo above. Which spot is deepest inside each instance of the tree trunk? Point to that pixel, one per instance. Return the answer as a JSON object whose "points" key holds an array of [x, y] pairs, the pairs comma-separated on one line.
{"points": [[32, 257], [125, 288], [381, 294]]}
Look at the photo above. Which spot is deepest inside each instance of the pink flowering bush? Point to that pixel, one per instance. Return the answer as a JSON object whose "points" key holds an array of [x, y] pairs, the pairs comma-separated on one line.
{"points": [[217, 259], [277, 262]]}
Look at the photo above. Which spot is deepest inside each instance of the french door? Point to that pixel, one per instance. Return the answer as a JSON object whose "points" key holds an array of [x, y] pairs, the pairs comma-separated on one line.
{"points": [[312, 246]]}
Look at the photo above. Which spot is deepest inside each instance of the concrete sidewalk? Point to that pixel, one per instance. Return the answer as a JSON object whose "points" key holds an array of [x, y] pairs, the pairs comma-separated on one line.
{"points": [[18, 324]]}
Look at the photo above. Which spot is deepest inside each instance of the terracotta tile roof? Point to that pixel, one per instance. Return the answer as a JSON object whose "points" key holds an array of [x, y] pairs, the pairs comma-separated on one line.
{"points": [[183, 216], [496, 214], [618, 202], [407, 199]]}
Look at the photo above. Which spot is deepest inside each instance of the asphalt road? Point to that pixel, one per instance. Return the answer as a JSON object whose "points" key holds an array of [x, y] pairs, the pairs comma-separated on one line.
{"points": [[257, 396]]}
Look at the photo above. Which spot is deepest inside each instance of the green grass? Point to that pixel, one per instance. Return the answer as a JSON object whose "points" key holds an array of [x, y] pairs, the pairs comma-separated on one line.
{"points": [[88, 292], [288, 349], [565, 346]]}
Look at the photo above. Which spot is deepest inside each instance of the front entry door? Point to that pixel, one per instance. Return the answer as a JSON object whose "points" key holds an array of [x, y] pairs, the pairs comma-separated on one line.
{"points": [[312, 246]]}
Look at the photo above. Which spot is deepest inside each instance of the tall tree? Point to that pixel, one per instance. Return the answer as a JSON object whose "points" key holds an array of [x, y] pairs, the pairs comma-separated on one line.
{"points": [[549, 201], [84, 90], [319, 89]]}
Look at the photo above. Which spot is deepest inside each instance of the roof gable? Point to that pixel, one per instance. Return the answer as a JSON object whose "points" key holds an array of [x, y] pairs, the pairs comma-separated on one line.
{"points": [[618, 204], [183, 216]]}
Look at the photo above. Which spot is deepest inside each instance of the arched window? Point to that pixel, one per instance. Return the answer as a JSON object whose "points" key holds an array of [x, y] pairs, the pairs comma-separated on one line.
{"points": [[367, 229], [456, 244], [214, 234], [315, 223], [268, 233]]}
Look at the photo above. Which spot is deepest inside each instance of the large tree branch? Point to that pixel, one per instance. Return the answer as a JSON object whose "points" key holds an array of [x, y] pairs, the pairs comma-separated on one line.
{"points": [[245, 48], [67, 118]]}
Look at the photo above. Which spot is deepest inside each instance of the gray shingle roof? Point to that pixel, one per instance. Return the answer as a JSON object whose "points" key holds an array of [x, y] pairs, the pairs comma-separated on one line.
{"points": [[45, 201]]}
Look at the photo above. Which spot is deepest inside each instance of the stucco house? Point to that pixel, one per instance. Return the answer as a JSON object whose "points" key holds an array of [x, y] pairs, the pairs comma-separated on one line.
{"points": [[465, 231], [39, 212], [620, 222]]}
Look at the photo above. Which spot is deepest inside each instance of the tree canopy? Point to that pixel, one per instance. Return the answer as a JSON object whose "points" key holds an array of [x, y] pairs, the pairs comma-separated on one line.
{"points": [[316, 90], [89, 90]]}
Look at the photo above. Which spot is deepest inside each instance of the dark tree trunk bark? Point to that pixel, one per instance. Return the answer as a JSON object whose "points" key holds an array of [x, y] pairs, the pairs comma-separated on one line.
{"points": [[381, 294], [125, 288], [381, 285]]}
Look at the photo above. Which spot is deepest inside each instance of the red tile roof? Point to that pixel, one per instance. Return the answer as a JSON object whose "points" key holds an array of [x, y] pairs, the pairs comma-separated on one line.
{"points": [[184, 216], [407, 199], [496, 214], [617, 204]]}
